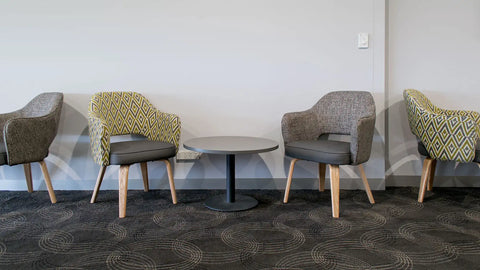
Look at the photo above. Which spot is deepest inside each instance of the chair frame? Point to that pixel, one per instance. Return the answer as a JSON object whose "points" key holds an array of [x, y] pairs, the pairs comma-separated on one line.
{"points": [[27, 168], [123, 184], [334, 184], [428, 175]]}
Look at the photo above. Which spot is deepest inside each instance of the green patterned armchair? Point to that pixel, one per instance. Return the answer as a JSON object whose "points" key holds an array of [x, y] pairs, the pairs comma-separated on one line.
{"points": [[448, 135], [123, 113]]}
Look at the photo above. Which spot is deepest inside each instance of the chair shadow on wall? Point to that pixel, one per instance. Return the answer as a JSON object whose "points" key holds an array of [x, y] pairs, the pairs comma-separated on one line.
{"points": [[242, 165], [70, 151]]}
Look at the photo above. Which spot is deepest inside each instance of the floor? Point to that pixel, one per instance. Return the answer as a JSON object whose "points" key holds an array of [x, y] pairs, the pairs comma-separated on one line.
{"points": [[395, 233]]}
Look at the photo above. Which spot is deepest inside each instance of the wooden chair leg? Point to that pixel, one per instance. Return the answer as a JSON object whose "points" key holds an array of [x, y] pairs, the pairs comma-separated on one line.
{"points": [[170, 181], [365, 184], [321, 176], [423, 181], [143, 165], [289, 180], [432, 174], [122, 190], [27, 168], [101, 173], [51, 193], [335, 189]]}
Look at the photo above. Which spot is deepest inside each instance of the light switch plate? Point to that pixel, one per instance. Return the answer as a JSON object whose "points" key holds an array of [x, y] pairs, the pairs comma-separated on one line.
{"points": [[363, 40]]}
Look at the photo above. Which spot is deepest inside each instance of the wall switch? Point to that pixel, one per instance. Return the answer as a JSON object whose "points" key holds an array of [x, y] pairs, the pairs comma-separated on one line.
{"points": [[363, 40]]}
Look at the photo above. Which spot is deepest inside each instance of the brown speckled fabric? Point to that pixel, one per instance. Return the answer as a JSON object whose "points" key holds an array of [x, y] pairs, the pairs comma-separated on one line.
{"points": [[341, 112], [28, 132]]}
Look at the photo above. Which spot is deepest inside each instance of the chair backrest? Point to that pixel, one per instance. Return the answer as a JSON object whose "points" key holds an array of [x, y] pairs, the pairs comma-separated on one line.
{"points": [[337, 110], [44, 104], [417, 105], [445, 134], [42, 116], [125, 113]]}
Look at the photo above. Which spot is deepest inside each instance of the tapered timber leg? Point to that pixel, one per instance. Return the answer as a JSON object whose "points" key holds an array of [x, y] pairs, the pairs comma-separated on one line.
{"points": [[321, 176], [101, 173], [432, 174], [335, 189], [425, 175], [365, 184], [48, 182], [27, 168], [289, 180], [143, 165], [122, 190], [170, 181]]}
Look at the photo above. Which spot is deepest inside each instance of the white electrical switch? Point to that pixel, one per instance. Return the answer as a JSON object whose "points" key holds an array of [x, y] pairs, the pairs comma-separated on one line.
{"points": [[363, 40]]}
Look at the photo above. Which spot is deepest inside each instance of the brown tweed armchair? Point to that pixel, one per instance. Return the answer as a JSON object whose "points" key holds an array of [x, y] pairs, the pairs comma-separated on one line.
{"points": [[28, 133], [342, 112]]}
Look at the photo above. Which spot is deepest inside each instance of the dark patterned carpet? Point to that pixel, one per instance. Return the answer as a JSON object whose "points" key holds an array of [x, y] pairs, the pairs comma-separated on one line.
{"points": [[395, 233]]}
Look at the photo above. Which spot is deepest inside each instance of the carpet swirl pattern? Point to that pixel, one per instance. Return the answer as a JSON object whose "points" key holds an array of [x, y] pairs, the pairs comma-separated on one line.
{"points": [[395, 233]]}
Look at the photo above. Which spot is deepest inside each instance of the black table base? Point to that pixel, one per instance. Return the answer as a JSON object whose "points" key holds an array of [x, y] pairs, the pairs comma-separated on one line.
{"points": [[220, 203], [229, 202]]}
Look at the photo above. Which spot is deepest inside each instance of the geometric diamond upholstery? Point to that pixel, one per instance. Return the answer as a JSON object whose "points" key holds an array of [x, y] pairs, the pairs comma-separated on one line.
{"points": [[446, 134], [423, 151], [121, 113]]}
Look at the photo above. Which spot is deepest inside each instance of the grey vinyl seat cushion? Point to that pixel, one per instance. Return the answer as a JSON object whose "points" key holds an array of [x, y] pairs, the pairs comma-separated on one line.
{"points": [[321, 151], [423, 151], [129, 152], [3, 154]]}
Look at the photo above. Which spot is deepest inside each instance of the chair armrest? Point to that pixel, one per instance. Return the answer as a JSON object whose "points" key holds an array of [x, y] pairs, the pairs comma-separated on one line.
{"points": [[169, 128], [99, 139], [4, 117], [453, 137], [472, 114], [298, 126], [28, 139], [361, 139]]}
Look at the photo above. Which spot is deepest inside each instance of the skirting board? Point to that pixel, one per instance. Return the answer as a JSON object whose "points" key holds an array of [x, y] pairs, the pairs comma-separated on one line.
{"points": [[439, 181], [218, 183]]}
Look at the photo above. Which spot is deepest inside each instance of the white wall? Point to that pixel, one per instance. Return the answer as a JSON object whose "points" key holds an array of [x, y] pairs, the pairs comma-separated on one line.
{"points": [[226, 67], [434, 46]]}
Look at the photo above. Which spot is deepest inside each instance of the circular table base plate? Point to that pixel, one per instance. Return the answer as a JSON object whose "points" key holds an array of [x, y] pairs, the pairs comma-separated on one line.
{"points": [[219, 203]]}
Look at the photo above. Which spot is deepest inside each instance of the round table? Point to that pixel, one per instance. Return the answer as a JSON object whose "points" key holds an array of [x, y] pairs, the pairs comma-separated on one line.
{"points": [[230, 146]]}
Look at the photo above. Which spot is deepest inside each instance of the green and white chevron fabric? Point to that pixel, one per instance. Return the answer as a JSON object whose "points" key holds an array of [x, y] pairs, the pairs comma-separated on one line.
{"points": [[121, 113], [446, 134]]}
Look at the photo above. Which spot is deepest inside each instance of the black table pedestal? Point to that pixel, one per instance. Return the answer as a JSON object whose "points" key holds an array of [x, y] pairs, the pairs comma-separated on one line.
{"points": [[229, 202]]}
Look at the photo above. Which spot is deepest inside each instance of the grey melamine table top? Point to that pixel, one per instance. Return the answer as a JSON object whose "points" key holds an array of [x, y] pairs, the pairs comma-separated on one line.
{"points": [[230, 145]]}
